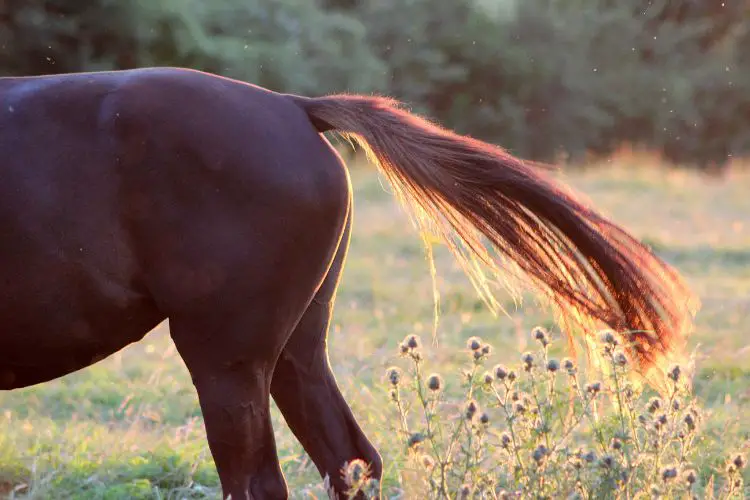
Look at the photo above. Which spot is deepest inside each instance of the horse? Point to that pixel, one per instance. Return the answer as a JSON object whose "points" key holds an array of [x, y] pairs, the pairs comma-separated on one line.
{"points": [[130, 197]]}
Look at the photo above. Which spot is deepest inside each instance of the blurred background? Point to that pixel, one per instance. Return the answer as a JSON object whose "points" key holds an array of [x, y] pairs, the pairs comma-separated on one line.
{"points": [[548, 79]]}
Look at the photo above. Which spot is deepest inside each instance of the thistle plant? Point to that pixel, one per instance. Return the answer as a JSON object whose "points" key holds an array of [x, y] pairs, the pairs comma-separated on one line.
{"points": [[542, 429]]}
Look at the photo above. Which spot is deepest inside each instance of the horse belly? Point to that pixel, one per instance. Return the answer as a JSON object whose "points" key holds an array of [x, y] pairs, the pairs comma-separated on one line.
{"points": [[57, 319]]}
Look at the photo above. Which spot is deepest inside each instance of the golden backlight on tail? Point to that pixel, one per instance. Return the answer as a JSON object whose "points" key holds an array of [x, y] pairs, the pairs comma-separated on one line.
{"points": [[469, 192]]}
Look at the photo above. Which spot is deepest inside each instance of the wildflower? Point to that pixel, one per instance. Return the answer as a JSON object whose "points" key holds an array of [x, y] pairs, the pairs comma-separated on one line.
{"points": [[488, 378], [674, 373], [660, 421], [501, 372], [474, 343], [620, 359], [594, 388], [642, 419], [415, 439], [628, 392], [404, 348], [569, 366], [505, 440], [616, 444], [486, 349], [541, 336], [394, 375], [512, 376], [412, 342], [539, 454], [739, 461], [355, 472], [528, 361], [553, 365], [484, 419], [689, 422], [668, 474], [676, 405], [690, 477], [653, 405], [608, 337], [589, 457], [607, 461], [520, 408], [471, 409], [434, 382]]}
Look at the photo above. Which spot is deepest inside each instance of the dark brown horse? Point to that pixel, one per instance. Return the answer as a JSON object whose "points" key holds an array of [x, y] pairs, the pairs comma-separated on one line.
{"points": [[130, 197]]}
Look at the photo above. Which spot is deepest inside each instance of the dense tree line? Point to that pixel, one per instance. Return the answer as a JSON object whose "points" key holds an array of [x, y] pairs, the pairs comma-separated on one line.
{"points": [[541, 77]]}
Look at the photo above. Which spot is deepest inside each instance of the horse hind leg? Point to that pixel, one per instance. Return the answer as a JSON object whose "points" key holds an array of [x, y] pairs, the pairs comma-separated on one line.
{"points": [[306, 392]]}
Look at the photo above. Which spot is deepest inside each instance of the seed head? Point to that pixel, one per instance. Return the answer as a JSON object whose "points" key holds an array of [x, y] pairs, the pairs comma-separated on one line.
{"points": [[553, 365], [690, 477], [394, 375], [668, 473], [505, 440], [676, 405], [674, 373], [539, 454], [528, 361], [403, 348], [594, 388], [689, 422], [474, 343], [569, 366], [472, 407], [541, 336], [434, 382], [512, 376], [621, 359], [412, 342], [653, 405], [608, 337], [628, 392], [355, 472], [415, 439], [520, 408], [501, 372]]}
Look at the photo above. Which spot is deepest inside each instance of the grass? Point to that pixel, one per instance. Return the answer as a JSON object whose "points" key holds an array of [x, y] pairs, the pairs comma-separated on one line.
{"points": [[130, 427]]}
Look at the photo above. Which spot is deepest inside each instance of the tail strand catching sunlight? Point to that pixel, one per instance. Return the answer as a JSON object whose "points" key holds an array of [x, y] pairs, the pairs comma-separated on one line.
{"points": [[466, 190]]}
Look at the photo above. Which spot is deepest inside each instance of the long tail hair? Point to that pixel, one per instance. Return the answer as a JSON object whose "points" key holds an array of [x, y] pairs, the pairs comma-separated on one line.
{"points": [[463, 189]]}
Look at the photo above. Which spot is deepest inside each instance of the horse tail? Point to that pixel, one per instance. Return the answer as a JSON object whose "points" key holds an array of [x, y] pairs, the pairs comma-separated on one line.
{"points": [[464, 190]]}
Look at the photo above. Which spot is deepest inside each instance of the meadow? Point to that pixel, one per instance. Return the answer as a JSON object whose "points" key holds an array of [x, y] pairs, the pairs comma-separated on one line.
{"points": [[130, 426]]}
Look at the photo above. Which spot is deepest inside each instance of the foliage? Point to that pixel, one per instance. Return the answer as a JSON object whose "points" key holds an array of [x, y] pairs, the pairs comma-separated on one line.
{"points": [[541, 77]]}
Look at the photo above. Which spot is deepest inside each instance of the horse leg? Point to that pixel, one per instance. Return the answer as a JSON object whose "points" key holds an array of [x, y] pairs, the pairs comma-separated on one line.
{"points": [[306, 392]]}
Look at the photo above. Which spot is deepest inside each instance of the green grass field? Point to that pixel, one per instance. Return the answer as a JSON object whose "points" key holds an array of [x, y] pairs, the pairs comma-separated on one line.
{"points": [[130, 426]]}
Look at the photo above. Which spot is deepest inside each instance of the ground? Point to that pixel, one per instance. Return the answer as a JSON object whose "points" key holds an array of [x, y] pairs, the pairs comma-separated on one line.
{"points": [[130, 426]]}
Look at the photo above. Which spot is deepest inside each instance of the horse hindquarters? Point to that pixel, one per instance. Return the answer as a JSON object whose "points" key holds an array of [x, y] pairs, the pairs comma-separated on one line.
{"points": [[239, 233]]}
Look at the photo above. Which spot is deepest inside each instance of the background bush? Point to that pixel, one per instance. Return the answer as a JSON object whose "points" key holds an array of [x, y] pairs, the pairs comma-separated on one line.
{"points": [[541, 77]]}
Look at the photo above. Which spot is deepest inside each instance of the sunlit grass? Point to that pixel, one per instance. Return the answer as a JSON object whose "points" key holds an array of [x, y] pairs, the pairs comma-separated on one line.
{"points": [[130, 426]]}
